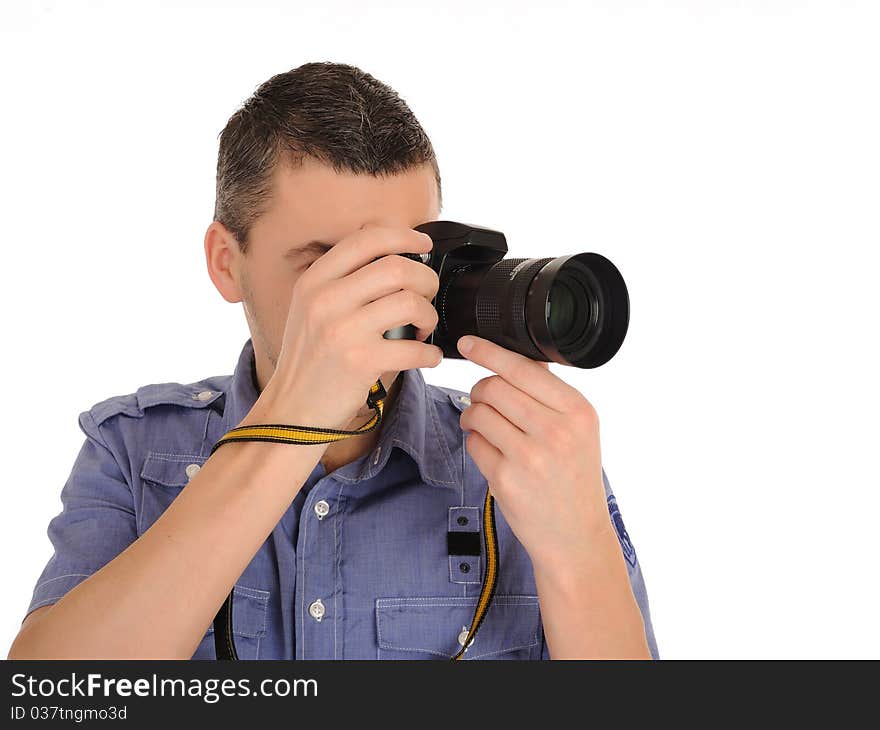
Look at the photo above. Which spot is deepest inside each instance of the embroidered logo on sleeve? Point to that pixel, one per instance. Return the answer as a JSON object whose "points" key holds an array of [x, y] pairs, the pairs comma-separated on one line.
{"points": [[628, 550]]}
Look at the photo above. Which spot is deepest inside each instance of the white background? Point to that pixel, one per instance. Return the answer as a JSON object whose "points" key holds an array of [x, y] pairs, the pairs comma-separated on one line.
{"points": [[724, 155]]}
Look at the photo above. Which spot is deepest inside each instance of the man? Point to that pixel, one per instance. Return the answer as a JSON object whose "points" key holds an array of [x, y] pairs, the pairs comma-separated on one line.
{"points": [[341, 550]]}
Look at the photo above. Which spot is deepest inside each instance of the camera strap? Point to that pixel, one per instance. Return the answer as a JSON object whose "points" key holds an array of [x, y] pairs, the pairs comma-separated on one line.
{"points": [[224, 644]]}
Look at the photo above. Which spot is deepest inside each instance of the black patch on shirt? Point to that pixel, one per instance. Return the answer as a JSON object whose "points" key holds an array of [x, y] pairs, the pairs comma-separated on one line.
{"points": [[463, 543]]}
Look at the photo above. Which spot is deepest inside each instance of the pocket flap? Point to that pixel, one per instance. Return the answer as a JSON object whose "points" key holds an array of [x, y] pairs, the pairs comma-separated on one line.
{"points": [[169, 470], [433, 624], [249, 607]]}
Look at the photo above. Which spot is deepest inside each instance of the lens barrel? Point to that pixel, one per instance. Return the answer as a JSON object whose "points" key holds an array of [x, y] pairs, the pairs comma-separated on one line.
{"points": [[569, 309]]}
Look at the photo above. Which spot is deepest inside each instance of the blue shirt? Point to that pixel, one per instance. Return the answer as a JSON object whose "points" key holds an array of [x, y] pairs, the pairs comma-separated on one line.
{"points": [[359, 565]]}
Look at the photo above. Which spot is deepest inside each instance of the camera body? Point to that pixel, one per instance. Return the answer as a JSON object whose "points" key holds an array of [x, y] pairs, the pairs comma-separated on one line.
{"points": [[458, 247]]}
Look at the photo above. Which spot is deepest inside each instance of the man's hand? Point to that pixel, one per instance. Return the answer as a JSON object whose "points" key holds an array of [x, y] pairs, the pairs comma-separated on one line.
{"points": [[536, 441]]}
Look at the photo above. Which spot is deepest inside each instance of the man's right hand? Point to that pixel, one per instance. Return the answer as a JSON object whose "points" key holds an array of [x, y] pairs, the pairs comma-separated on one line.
{"points": [[333, 348]]}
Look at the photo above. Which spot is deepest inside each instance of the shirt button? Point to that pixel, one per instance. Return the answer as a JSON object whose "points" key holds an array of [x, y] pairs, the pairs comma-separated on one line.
{"points": [[192, 470], [316, 610], [321, 509], [462, 637], [203, 395], [465, 399]]}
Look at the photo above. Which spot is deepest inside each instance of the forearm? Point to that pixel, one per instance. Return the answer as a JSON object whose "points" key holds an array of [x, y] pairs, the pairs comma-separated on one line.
{"points": [[587, 605], [157, 598]]}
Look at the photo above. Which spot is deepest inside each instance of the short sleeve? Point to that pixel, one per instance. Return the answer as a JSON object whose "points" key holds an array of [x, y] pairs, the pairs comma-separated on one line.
{"points": [[634, 568], [97, 521]]}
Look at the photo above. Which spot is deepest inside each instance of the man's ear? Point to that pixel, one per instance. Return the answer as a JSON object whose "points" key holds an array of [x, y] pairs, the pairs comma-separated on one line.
{"points": [[222, 256]]}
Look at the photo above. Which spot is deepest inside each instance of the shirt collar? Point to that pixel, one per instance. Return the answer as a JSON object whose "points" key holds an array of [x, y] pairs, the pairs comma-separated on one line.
{"points": [[412, 425]]}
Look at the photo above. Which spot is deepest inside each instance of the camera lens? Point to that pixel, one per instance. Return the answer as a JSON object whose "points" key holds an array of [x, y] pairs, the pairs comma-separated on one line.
{"points": [[565, 319], [569, 309]]}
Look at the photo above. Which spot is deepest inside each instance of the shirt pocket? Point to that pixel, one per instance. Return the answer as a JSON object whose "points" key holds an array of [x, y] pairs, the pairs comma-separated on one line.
{"points": [[249, 609], [163, 476], [432, 627]]}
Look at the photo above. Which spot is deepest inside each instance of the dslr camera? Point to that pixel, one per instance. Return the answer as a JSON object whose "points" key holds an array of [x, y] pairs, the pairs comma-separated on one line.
{"points": [[572, 309]]}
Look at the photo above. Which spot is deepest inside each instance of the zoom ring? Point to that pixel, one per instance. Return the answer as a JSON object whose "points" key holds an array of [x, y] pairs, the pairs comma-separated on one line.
{"points": [[499, 298]]}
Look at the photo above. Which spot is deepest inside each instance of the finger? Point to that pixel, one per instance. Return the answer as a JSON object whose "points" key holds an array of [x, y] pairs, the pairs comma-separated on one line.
{"points": [[485, 456], [389, 274], [394, 310], [543, 385], [364, 246], [396, 355], [520, 408], [494, 427]]}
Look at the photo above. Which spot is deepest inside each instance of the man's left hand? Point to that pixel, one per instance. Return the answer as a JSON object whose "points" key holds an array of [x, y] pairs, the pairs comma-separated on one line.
{"points": [[536, 441]]}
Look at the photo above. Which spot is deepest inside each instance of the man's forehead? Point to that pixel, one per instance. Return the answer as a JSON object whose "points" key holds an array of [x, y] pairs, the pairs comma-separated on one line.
{"points": [[330, 204]]}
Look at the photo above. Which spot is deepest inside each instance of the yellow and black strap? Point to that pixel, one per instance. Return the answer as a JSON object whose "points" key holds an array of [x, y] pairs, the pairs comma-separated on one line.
{"points": [[307, 435], [224, 643], [490, 574]]}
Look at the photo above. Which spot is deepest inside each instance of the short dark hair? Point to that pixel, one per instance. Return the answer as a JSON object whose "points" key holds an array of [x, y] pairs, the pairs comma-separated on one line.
{"points": [[331, 112]]}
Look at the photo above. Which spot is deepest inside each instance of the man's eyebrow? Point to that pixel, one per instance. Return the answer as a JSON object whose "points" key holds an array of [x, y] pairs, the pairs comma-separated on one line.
{"points": [[318, 247]]}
